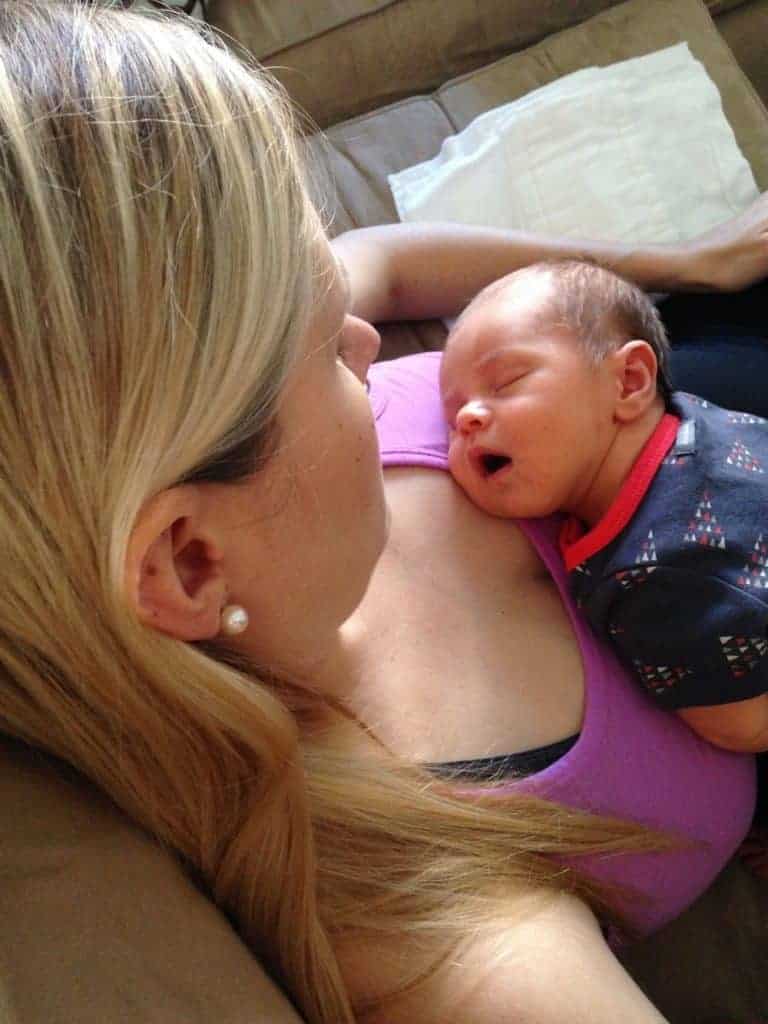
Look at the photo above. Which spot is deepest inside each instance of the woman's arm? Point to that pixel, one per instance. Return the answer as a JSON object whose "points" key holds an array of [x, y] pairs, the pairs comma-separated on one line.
{"points": [[546, 967], [417, 271]]}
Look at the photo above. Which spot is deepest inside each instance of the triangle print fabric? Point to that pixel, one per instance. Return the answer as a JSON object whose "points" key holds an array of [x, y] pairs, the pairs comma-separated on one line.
{"points": [[744, 418], [629, 578], [659, 678], [704, 528], [741, 457], [743, 652], [647, 551], [679, 563], [754, 573]]}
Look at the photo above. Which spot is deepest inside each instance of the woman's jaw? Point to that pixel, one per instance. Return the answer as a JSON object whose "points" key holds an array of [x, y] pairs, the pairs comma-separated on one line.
{"points": [[320, 519]]}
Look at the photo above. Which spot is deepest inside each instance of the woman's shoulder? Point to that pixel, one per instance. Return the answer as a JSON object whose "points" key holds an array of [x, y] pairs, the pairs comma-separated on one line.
{"points": [[542, 960]]}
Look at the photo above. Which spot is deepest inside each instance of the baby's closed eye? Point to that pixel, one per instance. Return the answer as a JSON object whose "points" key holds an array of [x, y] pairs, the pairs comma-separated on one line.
{"points": [[508, 382]]}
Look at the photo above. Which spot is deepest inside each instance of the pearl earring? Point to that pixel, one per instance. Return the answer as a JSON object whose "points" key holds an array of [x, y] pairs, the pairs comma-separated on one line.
{"points": [[234, 619]]}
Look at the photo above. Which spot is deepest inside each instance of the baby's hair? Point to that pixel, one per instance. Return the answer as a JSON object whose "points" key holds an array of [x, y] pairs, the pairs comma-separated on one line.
{"points": [[602, 308]]}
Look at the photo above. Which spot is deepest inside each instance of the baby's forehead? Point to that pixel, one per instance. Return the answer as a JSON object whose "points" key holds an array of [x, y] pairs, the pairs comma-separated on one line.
{"points": [[530, 295], [517, 310], [503, 324]]}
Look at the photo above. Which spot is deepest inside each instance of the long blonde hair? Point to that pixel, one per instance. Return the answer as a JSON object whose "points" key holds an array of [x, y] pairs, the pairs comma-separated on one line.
{"points": [[156, 272]]}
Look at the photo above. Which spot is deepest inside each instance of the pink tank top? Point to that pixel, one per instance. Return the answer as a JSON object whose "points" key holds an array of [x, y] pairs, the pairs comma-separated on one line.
{"points": [[631, 760]]}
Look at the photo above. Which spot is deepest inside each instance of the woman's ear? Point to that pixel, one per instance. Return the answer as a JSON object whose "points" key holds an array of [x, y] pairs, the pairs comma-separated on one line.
{"points": [[173, 567], [636, 369]]}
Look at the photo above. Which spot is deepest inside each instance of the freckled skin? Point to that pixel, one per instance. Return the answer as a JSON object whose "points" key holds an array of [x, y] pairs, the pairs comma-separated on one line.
{"points": [[319, 520]]}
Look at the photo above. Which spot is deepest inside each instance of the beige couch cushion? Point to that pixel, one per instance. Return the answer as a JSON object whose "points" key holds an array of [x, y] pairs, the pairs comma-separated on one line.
{"points": [[99, 925], [339, 58], [359, 154], [352, 56], [745, 29]]}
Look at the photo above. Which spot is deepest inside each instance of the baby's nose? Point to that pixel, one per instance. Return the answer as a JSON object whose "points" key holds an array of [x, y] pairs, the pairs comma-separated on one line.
{"points": [[472, 416]]}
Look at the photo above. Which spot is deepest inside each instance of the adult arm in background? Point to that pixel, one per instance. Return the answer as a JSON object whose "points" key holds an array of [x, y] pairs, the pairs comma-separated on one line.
{"points": [[99, 925], [418, 271], [546, 962]]}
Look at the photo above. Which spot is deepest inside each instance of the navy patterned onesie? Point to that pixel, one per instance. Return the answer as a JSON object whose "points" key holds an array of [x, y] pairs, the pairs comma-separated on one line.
{"points": [[675, 574]]}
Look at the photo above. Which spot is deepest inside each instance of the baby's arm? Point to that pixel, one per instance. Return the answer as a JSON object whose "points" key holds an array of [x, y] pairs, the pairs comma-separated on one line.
{"points": [[741, 726], [417, 271], [697, 644]]}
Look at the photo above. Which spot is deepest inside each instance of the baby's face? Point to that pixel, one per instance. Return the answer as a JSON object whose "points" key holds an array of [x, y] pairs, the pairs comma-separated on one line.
{"points": [[530, 417]]}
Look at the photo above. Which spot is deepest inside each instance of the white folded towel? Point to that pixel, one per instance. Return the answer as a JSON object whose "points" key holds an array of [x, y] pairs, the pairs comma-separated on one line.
{"points": [[638, 151]]}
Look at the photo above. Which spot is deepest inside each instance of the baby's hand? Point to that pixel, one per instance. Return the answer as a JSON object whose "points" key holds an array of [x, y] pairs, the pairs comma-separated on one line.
{"points": [[740, 726]]}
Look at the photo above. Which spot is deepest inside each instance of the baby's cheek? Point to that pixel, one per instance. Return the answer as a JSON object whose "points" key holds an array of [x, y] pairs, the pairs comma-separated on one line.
{"points": [[454, 455], [459, 468]]}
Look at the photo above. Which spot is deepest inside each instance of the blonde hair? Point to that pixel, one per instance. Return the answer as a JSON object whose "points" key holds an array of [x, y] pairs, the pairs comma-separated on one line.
{"points": [[156, 273]]}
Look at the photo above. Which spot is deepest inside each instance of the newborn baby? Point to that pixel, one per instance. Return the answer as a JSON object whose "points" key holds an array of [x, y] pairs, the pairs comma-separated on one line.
{"points": [[555, 390]]}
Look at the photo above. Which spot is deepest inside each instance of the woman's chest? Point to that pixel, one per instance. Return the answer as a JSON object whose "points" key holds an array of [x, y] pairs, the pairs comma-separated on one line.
{"points": [[468, 649]]}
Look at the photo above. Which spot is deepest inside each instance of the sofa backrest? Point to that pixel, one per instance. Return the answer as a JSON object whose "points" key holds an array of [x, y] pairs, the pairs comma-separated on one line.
{"points": [[352, 159], [340, 58]]}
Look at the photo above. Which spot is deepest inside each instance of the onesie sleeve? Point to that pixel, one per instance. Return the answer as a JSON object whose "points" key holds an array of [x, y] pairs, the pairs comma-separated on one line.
{"points": [[691, 639]]}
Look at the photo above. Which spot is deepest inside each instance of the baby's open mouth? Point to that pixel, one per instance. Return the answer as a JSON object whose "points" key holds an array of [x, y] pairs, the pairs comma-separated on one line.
{"points": [[491, 463]]}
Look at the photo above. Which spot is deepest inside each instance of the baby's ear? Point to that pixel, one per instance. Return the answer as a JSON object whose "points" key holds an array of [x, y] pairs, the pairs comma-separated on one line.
{"points": [[636, 373]]}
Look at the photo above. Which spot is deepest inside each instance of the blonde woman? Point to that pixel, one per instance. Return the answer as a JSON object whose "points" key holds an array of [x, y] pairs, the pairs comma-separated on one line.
{"points": [[191, 508]]}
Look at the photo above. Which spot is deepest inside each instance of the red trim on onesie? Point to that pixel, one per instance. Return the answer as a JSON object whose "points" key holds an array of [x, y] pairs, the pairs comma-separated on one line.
{"points": [[576, 546]]}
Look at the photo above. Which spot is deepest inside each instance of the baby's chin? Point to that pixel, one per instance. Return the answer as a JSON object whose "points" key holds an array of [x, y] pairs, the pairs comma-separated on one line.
{"points": [[493, 504], [508, 506]]}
